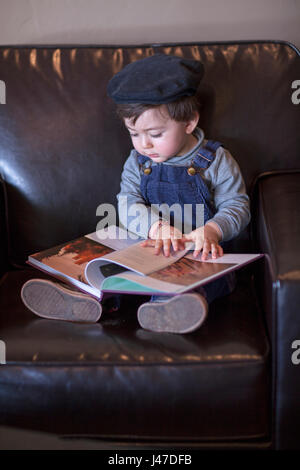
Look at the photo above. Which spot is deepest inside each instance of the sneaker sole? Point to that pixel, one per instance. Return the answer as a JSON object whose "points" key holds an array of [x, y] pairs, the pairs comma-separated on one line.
{"points": [[50, 300], [181, 314]]}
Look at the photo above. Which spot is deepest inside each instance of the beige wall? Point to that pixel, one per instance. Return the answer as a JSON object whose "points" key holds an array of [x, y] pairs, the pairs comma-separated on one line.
{"points": [[145, 21]]}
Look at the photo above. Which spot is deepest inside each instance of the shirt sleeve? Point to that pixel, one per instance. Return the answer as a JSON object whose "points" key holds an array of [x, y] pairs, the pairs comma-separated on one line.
{"points": [[134, 214], [229, 195]]}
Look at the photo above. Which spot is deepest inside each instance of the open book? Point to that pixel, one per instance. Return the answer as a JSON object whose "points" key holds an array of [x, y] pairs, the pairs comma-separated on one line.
{"points": [[95, 265]]}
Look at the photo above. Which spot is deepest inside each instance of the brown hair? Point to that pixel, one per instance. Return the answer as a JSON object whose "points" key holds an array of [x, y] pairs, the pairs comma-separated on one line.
{"points": [[180, 110]]}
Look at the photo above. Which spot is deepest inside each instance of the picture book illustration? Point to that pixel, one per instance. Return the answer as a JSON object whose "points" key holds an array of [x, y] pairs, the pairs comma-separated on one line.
{"points": [[72, 257], [186, 271], [121, 265]]}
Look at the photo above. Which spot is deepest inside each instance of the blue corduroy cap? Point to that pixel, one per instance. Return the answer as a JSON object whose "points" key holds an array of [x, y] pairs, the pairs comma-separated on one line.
{"points": [[157, 79]]}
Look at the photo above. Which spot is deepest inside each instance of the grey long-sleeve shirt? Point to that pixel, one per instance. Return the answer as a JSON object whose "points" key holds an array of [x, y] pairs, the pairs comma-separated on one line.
{"points": [[223, 178]]}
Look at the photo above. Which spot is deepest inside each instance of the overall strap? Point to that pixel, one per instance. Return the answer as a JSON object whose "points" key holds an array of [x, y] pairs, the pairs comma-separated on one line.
{"points": [[142, 159], [205, 156], [145, 164]]}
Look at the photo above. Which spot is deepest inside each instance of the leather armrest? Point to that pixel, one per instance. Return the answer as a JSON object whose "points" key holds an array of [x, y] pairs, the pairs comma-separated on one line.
{"points": [[277, 233]]}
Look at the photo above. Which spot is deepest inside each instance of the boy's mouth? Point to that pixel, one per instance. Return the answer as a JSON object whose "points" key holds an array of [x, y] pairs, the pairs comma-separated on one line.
{"points": [[153, 155]]}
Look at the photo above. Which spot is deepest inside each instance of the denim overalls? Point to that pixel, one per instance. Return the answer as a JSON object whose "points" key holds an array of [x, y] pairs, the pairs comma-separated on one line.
{"points": [[183, 184]]}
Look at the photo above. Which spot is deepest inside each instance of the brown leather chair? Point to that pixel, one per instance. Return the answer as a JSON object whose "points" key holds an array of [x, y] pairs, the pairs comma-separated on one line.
{"points": [[232, 383]]}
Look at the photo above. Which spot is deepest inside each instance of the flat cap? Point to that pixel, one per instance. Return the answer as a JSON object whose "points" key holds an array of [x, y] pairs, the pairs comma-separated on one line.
{"points": [[157, 79]]}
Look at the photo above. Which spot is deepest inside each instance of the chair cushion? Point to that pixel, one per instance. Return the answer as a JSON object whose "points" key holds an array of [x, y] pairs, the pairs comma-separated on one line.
{"points": [[113, 379]]}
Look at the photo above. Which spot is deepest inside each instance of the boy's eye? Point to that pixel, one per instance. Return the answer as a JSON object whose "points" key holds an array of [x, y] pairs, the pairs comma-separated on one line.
{"points": [[156, 135], [153, 135]]}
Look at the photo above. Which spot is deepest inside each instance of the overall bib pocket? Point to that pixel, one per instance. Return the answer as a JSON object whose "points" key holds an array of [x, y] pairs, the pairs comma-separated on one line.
{"points": [[172, 193]]}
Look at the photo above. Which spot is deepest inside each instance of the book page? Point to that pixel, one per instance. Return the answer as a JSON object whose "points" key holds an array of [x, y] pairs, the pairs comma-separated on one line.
{"points": [[143, 260], [130, 282], [114, 237], [188, 272], [140, 260], [235, 258], [176, 278], [68, 261], [184, 275]]}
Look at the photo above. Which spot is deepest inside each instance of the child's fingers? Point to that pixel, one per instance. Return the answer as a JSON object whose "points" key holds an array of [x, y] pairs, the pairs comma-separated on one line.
{"points": [[205, 246], [213, 247], [166, 247], [158, 245], [187, 238], [214, 250], [148, 242], [221, 252], [198, 246], [190, 238], [206, 250], [177, 244]]}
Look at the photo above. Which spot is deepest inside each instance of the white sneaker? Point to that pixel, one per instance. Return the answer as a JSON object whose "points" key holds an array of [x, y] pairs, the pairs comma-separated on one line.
{"points": [[49, 299], [180, 314]]}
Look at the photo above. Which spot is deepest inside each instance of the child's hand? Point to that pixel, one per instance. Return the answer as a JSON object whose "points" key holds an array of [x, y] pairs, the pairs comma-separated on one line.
{"points": [[207, 239], [162, 236]]}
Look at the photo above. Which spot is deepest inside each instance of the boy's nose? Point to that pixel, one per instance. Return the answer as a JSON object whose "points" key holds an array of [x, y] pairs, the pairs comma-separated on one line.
{"points": [[146, 142]]}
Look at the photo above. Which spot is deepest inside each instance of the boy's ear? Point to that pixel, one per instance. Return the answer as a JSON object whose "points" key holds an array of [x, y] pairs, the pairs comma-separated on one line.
{"points": [[192, 123]]}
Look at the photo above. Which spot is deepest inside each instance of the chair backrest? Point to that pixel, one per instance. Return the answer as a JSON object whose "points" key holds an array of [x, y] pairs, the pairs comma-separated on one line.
{"points": [[62, 147]]}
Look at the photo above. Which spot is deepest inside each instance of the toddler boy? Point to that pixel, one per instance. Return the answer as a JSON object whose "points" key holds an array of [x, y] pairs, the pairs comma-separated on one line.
{"points": [[171, 165]]}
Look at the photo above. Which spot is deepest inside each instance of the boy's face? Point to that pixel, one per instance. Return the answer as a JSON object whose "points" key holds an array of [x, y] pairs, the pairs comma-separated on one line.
{"points": [[159, 137]]}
